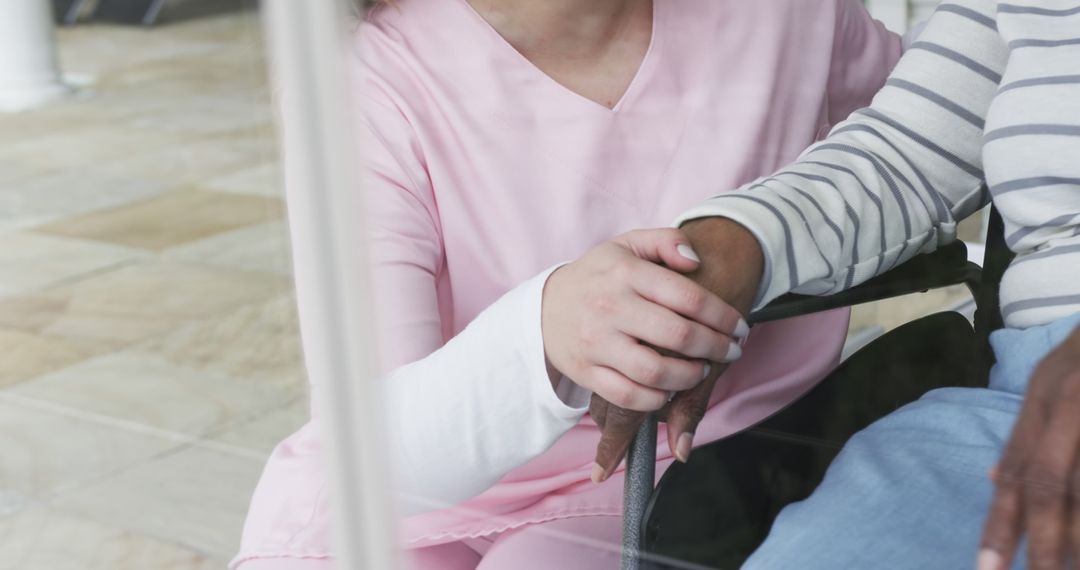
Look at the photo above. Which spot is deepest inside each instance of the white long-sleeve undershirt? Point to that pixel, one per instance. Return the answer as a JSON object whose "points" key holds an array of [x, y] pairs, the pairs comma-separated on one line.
{"points": [[487, 395]]}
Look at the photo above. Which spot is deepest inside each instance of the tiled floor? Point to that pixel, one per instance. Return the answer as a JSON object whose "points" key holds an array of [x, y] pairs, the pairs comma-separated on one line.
{"points": [[147, 326]]}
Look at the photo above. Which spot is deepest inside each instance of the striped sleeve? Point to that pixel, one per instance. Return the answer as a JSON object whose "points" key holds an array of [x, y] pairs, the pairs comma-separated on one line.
{"points": [[1032, 143], [892, 180]]}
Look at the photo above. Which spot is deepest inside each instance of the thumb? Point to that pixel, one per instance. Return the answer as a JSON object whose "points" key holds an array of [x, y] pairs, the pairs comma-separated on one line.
{"points": [[667, 246]]}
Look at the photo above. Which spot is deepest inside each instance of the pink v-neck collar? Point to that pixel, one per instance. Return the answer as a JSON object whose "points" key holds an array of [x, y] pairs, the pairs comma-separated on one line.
{"points": [[632, 89]]}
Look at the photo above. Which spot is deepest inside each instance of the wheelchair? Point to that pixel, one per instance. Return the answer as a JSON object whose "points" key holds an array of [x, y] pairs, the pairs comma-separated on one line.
{"points": [[715, 510]]}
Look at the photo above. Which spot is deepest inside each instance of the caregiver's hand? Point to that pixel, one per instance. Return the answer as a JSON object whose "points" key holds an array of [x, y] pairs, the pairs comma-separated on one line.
{"points": [[1038, 478], [731, 267], [603, 314]]}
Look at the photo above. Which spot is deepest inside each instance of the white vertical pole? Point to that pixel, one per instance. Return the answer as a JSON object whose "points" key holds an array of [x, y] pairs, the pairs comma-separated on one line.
{"points": [[29, 72], [307, 49]]}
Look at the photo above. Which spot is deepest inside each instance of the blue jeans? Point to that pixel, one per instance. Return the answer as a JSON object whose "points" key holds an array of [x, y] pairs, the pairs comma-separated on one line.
{"points": [[912, 491]]}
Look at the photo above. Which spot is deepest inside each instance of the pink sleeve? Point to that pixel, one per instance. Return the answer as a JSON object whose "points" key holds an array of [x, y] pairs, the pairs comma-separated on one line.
{"points": [[406, 252], [864, 53]]}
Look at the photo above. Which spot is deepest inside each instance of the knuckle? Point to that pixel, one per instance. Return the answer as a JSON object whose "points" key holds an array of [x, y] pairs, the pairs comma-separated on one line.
{"points": [[623, 268], [591, 337], [693, 299], [679, 334], [601, 303], [1043, 484], [650, 371], [621, 396], [579, 362]]}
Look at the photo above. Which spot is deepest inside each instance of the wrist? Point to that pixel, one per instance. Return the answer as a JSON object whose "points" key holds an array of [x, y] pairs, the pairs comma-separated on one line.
{"points": [[732, 260], [546, 317]]}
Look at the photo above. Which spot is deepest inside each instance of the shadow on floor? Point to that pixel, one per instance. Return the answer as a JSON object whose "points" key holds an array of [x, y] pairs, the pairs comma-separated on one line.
{"points": [[147, 12], [182, 10]]}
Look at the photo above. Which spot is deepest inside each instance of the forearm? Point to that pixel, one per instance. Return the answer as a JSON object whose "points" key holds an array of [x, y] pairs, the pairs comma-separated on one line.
{"points": [[732, 261], [890, 182]]}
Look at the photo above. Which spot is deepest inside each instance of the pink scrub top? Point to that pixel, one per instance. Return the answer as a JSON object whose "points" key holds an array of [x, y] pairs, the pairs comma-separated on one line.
{"points": [[483, 171]]}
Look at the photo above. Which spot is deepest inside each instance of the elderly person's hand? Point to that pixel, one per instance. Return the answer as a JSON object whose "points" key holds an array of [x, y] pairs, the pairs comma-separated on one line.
{"points": [[731, 267], [607, 317], [1038, 478]]}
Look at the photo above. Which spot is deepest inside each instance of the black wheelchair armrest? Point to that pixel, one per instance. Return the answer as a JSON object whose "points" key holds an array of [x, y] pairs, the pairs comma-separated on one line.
{"points": [[943, 267]]}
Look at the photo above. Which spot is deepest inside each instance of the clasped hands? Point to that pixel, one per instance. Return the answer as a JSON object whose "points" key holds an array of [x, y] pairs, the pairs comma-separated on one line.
{"points": [[634, 332], [648, 321]]}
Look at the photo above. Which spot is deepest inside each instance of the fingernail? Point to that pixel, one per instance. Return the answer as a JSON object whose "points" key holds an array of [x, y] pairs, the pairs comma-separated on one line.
{"points": [[687, 252], [598, 474], [734, 351], [708, 369], [742, 330], [989, 560], [682, 448]]}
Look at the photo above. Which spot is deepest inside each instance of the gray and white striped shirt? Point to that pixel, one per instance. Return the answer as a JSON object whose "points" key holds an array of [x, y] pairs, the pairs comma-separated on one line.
{"points": [[990, 93]]}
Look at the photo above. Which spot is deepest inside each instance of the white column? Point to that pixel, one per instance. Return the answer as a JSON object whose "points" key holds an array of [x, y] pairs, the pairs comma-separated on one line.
{"points": [[29, 72], [307, 54]]}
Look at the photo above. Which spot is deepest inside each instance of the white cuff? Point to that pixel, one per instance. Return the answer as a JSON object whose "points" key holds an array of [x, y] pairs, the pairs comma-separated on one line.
{"points": [[531, 351]]}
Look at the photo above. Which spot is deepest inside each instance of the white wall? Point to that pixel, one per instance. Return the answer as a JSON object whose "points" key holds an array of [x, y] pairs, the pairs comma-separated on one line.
{"points": [[900, 15]]}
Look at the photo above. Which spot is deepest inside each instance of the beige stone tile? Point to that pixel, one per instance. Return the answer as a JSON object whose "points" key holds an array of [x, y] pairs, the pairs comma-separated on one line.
{"points": [[28, 354], [891, 313], [264, 247], [42, 538], [168, 220], [211, 38], [259, 341], [201, 158], [45, 450], [71, 112], [13, 172], [263, 433], [152, 391], [137, 300], [200, 114], [40, 199], [197, 497], [262, 180], [82, 146], [31, 261], [105, 50]]}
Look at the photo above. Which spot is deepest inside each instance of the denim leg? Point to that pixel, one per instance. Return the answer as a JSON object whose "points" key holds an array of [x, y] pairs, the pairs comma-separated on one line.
{"points": [[909, 492]]}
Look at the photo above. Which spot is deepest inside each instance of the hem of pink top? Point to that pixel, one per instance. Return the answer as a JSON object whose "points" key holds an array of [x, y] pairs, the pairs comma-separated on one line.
{"points": [[454, 536], [236, 562], [446, 537]]}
